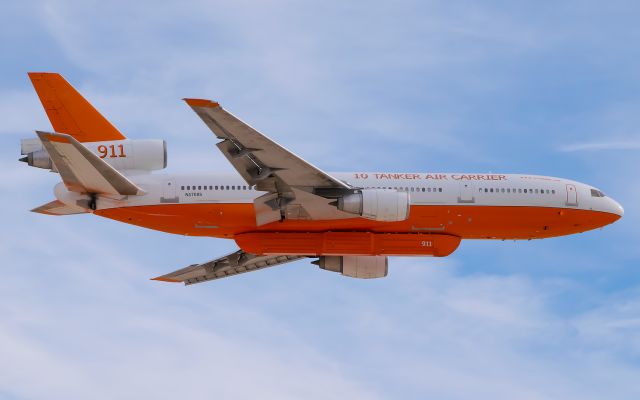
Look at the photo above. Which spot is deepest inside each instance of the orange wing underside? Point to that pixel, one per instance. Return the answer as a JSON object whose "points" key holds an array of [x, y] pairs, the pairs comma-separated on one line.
{"points": [[69, 112], [466, 222]]}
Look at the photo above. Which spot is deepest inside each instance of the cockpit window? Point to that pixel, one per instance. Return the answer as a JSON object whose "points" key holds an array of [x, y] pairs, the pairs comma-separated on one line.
{"points": [[596, 193]]}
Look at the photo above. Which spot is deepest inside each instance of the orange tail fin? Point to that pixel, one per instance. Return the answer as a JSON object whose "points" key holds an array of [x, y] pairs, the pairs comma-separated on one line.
{"points": [[69, 112]]}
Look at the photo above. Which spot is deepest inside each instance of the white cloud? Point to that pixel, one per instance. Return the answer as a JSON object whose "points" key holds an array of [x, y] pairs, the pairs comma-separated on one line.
{"points": [[21, 114], [598, 146], [88, 326]]}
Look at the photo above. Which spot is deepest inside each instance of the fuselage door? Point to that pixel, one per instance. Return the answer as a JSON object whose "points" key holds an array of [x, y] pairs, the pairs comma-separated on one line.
{"points": [[572, 195], [168, 191], [466, 192]]}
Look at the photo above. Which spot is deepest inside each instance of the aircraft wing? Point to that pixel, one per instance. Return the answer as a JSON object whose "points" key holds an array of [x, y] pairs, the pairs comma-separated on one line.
{"points": [[235, 263], [259, 160], [271, 168]]}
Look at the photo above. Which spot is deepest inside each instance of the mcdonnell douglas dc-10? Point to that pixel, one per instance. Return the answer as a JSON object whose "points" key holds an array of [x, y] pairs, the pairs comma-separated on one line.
{"points": [[279, 207]]}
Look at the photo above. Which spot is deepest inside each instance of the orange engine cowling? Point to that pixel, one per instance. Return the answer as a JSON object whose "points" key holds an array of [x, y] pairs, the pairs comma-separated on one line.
{"points": [[348, 243]]}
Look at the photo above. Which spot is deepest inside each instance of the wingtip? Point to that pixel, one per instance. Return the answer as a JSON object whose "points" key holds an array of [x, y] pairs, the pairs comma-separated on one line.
{"points": [[161, 279], [201, 103]]}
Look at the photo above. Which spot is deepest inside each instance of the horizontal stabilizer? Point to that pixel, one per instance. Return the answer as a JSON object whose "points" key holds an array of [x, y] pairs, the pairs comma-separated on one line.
{"points": [[84, 172], [229, 265], [58, 208]]}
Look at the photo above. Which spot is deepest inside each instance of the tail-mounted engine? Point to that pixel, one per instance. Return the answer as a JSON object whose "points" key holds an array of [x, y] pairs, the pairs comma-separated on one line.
{"points": [[128, 154]]}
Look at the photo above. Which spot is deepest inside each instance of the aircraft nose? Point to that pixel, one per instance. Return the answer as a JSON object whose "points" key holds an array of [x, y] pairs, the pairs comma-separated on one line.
{"points": [[616, 208], [620, 210]]}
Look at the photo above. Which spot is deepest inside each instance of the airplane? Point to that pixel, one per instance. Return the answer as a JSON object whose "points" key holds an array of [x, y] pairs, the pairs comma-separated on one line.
{"points": [[280, 208]]}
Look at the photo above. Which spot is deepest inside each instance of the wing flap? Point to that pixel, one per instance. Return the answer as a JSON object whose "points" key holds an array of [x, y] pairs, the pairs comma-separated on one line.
{"points": [[235, 263], [82, 171]]}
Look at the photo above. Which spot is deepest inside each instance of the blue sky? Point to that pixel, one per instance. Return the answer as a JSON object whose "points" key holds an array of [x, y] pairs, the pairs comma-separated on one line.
{"points": [[525, 87]]}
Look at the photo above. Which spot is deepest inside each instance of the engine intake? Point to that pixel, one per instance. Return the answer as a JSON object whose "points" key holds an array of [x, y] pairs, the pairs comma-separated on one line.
{"points": [[377, 204], [363, 267]]}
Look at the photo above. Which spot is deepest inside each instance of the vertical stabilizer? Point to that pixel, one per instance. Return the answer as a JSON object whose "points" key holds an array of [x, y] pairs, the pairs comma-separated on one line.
{"points": [[69, 112]]}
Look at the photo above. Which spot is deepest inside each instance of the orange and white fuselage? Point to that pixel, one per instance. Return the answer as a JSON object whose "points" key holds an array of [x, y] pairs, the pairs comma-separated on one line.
{"points": [[280, 208], [468, 206]]}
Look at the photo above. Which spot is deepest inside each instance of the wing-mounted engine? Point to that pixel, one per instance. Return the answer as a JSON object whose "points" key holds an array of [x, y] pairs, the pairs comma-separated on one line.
{"points": [[128, 154], [363, 267], [377, 204], [386, 205]]}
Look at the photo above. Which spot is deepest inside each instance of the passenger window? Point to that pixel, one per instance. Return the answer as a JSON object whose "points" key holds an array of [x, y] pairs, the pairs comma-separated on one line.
{"points": [[525, 190], [181, 187], [440, 190], [508, 190], [423, 189], [412, 189], [502, 190], [553, 191], [216, 187]]}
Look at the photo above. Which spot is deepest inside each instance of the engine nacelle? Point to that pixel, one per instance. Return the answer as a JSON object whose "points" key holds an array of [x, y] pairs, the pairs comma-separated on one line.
{"points": [[363, 267], [39, 159], [143, 154], [377, 204]]}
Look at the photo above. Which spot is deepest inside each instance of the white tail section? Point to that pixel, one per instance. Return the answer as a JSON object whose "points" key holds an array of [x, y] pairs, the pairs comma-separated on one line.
{"points": [[84, 172]]}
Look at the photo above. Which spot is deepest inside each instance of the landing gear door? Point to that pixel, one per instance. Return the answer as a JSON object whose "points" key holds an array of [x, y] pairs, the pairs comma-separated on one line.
{"points": [[466, 192]]}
